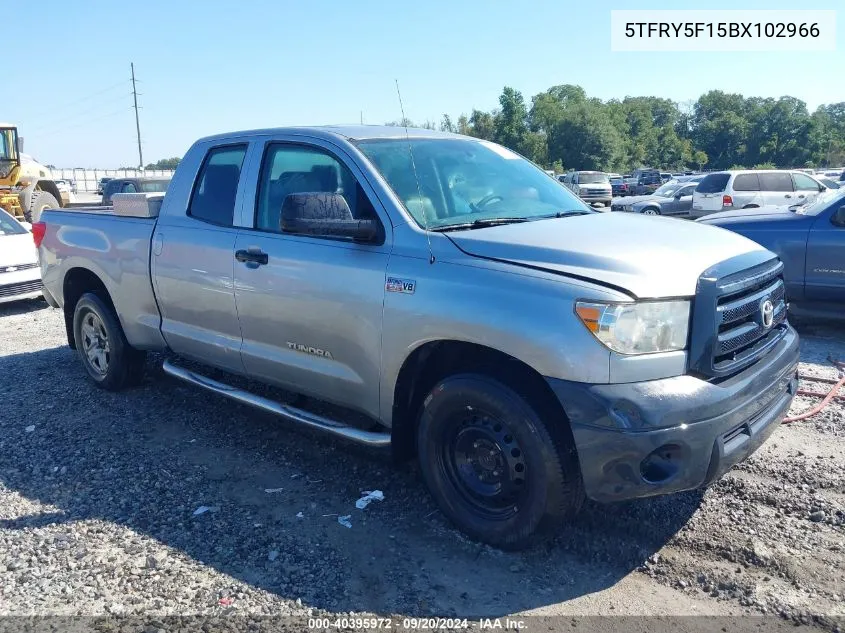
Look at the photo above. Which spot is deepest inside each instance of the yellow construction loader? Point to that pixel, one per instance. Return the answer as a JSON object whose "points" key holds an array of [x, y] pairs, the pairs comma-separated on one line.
{"points": [[26, 187]]}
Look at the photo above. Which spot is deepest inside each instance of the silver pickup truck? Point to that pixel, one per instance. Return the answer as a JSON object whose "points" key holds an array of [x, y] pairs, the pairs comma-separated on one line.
{"points": [[529, 351]]}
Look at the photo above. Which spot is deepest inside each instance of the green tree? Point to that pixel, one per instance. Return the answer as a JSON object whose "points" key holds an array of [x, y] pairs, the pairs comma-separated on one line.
{"points": [[511, 125], [164, 163], [482, 125], [765, 166], [585, 138], [699, 158], [446, 124]]}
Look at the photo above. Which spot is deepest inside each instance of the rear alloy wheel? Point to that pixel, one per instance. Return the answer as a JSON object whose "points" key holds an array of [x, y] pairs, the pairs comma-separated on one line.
{"points": [[493, 466], [105, 353], [95, 343]]}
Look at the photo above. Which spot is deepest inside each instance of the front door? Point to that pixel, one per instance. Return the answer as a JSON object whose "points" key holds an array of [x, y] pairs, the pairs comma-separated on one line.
{"points": [[310, 308], [825, 274]]}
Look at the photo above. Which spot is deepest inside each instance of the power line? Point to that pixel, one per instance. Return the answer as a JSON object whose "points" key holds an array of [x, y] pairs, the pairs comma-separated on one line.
{"points": [[53, 106], [59, 131], [56, 123]]}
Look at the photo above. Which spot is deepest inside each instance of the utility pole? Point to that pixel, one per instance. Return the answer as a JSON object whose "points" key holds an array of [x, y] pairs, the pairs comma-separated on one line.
{"points": [[137, 124]]}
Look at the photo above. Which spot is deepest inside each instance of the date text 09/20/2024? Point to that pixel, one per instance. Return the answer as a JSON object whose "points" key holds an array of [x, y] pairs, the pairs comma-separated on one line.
{"points": [[419, 624]]}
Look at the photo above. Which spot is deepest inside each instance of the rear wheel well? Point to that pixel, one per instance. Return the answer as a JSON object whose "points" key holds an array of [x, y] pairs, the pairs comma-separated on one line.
{"points": [[77, 282], [751, 206], [431, 362]]}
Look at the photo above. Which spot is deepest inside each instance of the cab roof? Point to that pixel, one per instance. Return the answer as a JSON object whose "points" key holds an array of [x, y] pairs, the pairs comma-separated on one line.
{"points": [[348, 132]]}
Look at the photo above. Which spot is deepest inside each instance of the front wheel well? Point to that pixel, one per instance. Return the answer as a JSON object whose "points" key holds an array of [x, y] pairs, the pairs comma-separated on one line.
{"points": [[79, 281], [751, 206], [431, 362]]}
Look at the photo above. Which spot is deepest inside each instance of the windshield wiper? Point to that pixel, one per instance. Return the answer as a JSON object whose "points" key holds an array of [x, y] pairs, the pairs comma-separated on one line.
{"points": [[562, 214], [478, 224]]}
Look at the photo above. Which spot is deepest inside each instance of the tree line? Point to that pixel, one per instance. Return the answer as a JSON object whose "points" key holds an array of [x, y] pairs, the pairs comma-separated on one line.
{"points": [[565, 129]]}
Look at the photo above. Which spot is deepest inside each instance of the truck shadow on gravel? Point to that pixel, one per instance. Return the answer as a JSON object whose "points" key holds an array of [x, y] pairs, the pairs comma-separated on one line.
{"points": [[148, 458]]}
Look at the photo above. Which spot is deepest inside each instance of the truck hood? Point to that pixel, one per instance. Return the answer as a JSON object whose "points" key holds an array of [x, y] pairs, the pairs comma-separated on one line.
{"points": [[16, 250], [646, 256]]}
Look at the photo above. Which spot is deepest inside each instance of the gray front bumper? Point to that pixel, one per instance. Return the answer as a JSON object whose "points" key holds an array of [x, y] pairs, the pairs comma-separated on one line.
{"points": [[674, 434]]}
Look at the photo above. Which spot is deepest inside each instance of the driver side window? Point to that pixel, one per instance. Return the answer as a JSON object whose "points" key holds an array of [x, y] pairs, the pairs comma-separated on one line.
{"points": [[289, 169]]}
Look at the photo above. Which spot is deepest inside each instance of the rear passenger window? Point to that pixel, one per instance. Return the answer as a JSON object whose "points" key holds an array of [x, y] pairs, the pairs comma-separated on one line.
{"points": [[775, 182], [213, 199], [746, 182], [291, 169]]}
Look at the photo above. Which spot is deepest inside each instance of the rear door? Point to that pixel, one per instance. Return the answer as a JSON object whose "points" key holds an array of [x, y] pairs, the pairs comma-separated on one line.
{"points": [[825, 272], [193, 261], [311, 309], [776, 188]]}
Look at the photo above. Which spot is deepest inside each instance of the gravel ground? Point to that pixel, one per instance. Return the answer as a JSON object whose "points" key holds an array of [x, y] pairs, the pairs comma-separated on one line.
{"points": [[100, 498]]}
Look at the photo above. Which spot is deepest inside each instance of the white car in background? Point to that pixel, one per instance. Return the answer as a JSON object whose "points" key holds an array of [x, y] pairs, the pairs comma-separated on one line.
{"points": [[748, 189], [20, 274]]}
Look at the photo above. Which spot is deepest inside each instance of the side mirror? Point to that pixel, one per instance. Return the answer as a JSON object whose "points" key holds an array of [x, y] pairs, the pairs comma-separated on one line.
{"points": [[324, 215], [838, 217], [678, 196]]}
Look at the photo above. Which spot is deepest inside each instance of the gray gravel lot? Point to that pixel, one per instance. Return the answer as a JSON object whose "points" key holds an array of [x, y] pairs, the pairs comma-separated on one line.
{"points": [[99, 493]]}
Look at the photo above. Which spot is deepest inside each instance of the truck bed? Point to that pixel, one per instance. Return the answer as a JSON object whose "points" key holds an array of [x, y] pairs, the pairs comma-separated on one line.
{"points": [[116, 249]]}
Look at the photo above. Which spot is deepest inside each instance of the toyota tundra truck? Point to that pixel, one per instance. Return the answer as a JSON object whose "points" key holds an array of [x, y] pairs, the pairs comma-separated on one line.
{"points": [[528, 351]]}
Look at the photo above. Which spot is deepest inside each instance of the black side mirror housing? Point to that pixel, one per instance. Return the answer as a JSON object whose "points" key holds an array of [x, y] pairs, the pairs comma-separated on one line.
{"points": [[838, 217], [324, 215]]}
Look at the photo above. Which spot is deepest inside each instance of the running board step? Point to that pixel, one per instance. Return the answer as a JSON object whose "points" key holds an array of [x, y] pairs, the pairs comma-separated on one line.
{"points": [[306, 418]]}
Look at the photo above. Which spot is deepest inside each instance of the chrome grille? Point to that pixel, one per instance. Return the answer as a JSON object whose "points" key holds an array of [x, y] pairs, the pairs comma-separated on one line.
{"points": [[25, 287], [17, 267], [741, 335]]}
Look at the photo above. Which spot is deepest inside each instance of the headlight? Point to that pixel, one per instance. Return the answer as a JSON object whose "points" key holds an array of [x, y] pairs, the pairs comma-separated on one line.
{"points": [[638, 328]]}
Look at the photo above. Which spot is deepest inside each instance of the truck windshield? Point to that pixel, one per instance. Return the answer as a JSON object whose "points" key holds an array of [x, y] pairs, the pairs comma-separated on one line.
{"points": [[592, 179], [461, 180]]}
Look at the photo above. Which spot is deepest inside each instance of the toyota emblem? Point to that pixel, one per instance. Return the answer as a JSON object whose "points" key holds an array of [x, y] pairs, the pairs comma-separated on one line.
{"points": [[767, 313]]}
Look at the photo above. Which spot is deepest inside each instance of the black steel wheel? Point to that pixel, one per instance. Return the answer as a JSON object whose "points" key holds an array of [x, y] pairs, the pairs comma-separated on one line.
{"points": [[496, 468]]}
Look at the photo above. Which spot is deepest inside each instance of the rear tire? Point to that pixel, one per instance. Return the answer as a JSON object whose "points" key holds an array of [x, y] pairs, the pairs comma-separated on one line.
{"points": [[39, 201], [111, 362], [494, 467]]}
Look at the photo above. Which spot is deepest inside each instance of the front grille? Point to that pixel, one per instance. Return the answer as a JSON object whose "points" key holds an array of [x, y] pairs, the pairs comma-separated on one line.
{"points": [[17, 267], [731, 330], [22, 288]]}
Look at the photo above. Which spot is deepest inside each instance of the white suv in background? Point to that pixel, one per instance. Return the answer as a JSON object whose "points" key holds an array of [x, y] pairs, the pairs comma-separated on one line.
{"points": [[726, 190]]}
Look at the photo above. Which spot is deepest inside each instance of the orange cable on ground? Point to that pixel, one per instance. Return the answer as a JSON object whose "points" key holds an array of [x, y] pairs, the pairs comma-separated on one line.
{"points": [[826, 398]]}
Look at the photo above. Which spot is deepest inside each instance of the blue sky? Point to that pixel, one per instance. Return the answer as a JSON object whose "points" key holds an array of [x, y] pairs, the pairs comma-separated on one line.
{"points": [[213, 66]]}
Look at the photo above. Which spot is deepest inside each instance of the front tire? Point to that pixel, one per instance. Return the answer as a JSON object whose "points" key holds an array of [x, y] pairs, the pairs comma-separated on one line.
{"points": [[111, 362], [494, 467], [40, 201], [651, 211]]}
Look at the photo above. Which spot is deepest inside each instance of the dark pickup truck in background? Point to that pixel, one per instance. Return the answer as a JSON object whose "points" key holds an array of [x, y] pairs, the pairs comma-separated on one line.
{"points": [[810, 241]]}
